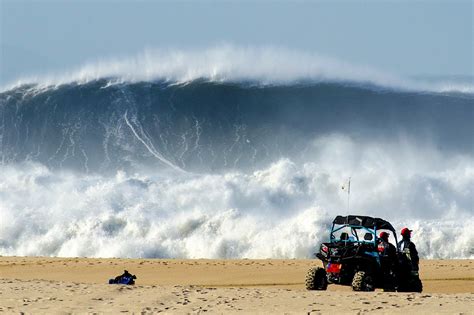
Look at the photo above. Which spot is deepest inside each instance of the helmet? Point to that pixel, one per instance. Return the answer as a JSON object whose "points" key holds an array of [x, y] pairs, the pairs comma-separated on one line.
{"points": [[405, 232], [384, 235]]}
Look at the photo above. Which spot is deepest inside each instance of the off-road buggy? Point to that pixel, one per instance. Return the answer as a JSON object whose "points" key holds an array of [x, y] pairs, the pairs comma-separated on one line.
{"points": [[352, 257]]}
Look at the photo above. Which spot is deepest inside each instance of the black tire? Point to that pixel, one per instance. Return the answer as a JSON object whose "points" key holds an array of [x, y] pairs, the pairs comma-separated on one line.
{"points": [[417, 286], [362, 282], [412, 284], [316, 279]]}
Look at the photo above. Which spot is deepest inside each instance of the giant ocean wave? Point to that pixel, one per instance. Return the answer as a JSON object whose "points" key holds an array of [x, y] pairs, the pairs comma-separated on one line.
{"points": [[230, 154], [227, 63]]}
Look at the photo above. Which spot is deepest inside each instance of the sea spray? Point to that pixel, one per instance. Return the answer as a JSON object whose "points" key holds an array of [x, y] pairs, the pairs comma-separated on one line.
{"points": [[264, 65], [230, 153], [283, 211]]}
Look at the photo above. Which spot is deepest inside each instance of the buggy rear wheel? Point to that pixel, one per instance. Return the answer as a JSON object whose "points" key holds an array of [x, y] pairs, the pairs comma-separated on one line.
{"points": [[316, 279], [362, 281]]}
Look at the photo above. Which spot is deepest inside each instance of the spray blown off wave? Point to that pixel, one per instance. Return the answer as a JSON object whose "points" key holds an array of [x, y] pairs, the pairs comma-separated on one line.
{"points": [[231, 164], [227, 63]]}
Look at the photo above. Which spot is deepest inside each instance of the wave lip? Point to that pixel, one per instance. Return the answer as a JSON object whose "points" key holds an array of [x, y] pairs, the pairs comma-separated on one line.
{"points": [[227, 63]]}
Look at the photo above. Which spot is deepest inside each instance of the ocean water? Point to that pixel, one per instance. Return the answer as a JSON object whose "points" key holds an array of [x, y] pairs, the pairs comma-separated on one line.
{"points": [[230, 153]]}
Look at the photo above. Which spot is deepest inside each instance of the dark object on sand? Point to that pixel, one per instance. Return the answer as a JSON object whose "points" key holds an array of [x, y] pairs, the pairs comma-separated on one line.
{"points": [[355, 256], [125, 278]]}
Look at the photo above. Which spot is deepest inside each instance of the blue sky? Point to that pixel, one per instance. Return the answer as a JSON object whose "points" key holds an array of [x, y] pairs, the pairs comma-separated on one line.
{"points": [[400, 37]]}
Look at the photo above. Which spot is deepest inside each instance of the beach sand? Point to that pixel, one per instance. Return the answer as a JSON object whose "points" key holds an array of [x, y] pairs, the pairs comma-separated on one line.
{"points": [[79, 285]]}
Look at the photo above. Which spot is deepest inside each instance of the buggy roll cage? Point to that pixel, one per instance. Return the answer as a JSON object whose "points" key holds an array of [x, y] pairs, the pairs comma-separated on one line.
{"points": [[368, 224]]}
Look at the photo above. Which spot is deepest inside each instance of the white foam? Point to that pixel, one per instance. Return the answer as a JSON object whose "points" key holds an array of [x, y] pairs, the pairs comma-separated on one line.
{"points": [[265, 65], [282, 211]]}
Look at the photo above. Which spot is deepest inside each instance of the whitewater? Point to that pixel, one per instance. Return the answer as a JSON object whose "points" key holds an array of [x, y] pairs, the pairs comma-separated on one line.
{"points": [[230, 153]]}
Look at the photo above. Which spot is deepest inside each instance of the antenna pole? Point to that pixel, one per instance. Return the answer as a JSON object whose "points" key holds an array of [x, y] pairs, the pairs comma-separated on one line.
{"points": [[348, 194]]}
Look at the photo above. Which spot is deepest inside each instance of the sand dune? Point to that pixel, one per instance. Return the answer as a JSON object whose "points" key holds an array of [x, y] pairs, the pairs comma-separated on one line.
{"points": [[52, 285]]}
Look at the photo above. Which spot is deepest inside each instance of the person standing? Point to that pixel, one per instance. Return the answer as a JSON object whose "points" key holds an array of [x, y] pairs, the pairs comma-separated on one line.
{"points": [[408, 274], [388, 260], [385, 248], [408, 248]]}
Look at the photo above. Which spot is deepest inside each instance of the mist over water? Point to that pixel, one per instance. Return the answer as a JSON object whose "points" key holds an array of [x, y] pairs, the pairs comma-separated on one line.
{"points": [[217, 167], [283, 210]]}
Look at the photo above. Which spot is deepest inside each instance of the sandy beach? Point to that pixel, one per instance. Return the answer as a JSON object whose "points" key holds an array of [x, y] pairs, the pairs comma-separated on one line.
{"points": [[79, 285]]}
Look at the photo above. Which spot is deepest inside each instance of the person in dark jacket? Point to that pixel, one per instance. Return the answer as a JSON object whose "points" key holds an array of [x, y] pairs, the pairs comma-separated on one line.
{"points": [[408, 248], [386, 249], [408, 278], [388, 260]]}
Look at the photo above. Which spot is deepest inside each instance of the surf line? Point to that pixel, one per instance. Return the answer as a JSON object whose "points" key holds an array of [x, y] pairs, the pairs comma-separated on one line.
{"points": [[151, 149]]}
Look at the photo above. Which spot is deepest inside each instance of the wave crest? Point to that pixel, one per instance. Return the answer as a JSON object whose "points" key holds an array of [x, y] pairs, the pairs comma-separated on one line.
{"points": [[227, 63]]}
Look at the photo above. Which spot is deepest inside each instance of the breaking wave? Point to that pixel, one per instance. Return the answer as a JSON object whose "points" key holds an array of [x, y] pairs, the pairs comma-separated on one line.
{"points": [[228, 63], [237, 153], [282, 211]]}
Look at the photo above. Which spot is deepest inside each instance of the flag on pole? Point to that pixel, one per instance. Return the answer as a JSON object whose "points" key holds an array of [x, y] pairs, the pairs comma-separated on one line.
{"points": [[347, 186]]}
